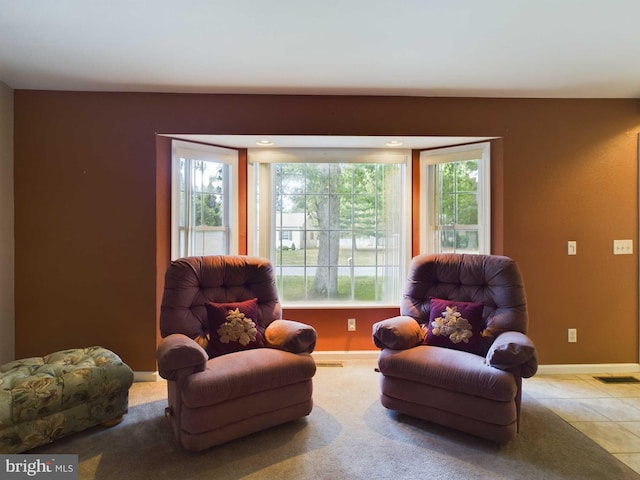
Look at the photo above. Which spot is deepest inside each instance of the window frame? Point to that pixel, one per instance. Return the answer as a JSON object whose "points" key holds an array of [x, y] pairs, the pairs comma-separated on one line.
{"points": [[207, 153], [428, 160], [259, 171]]}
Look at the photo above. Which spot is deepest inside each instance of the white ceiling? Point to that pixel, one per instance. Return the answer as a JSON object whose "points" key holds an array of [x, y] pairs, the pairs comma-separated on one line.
{"points": [[490, 48]]}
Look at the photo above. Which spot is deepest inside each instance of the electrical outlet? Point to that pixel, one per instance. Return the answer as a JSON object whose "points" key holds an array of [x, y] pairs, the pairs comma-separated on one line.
{"points": [[572, 335], [351, 324]]}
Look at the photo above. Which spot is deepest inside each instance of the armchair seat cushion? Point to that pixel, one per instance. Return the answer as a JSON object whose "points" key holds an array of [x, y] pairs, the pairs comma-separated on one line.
{"points": [[449, 370], [239, 374]]}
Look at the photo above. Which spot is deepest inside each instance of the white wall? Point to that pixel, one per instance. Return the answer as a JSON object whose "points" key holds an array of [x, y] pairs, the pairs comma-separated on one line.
{"points": [[7, 304]]}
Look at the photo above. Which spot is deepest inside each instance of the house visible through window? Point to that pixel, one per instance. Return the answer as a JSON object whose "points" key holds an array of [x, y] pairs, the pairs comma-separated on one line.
{"points": [[334, 222], [203, 199], [455, 204]]}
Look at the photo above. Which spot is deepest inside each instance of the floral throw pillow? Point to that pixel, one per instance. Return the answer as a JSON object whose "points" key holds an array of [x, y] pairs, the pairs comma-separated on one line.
{"points": [[456, 325], [233, 327]]}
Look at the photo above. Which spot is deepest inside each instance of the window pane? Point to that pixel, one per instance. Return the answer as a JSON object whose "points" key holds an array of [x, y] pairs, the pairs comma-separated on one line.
{"points": [[292, 281], [456, 206], [319, 178], [203, 201], [467, 176], [447, 209], [467, 209], [208, 241], [196, 209], [290, 178], [345, 210], [339, 227], [447, 241], [446, 177], [467, 241], [337, 175]]}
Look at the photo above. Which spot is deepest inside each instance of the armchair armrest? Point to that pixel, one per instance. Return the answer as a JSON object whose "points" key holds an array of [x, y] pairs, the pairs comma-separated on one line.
{"points": [[511, 350], [294, 337], [177, 353], [397, 333]]}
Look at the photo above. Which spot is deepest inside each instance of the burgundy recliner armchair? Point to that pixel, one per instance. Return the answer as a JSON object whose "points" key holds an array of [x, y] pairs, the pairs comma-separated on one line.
{"points": [[457, 353], [249, 371]]}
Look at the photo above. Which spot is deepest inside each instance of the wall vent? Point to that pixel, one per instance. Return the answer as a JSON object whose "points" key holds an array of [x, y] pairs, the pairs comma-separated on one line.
{"points": [[618, 379], [330, 363]]}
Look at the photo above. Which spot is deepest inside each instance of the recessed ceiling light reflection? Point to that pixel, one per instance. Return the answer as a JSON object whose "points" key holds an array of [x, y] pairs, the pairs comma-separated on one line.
{"points": [[264, 143], [394, 143]]}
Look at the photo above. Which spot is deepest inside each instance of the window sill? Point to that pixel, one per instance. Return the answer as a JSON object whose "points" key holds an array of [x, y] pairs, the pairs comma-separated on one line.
{"points": [[337, 306]]}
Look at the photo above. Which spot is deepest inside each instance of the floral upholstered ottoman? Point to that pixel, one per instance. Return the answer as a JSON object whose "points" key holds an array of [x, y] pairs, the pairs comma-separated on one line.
{"points": [[45, 398]]}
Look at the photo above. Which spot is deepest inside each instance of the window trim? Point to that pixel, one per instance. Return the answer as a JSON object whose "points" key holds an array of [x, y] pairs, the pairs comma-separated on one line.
{"points": [[429, 158], [259, 161], [204, 152]]}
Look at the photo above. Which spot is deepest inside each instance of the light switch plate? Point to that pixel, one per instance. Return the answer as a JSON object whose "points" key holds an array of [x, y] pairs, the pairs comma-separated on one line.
{"points": [[623, 247], [572, 247]]}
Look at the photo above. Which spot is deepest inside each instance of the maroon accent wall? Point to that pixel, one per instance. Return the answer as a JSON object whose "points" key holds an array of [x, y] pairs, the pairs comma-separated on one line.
{"points": [[91, 209]]}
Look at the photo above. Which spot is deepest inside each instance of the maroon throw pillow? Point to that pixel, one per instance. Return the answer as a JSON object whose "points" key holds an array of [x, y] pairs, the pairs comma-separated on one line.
{"points": [[456, 325], [233, 327]]}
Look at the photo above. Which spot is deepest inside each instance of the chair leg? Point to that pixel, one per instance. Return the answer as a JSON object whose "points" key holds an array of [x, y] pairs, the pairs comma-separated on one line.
{"points": [[518, 398]]}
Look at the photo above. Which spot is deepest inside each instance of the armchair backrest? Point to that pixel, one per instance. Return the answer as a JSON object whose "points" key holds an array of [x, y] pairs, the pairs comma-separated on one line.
{"points": [[191, 282], [492, 280]]}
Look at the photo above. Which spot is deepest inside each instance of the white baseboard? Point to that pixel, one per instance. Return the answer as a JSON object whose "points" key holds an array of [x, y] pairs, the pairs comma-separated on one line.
{"points": [[589, 368], [145, 376]]}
